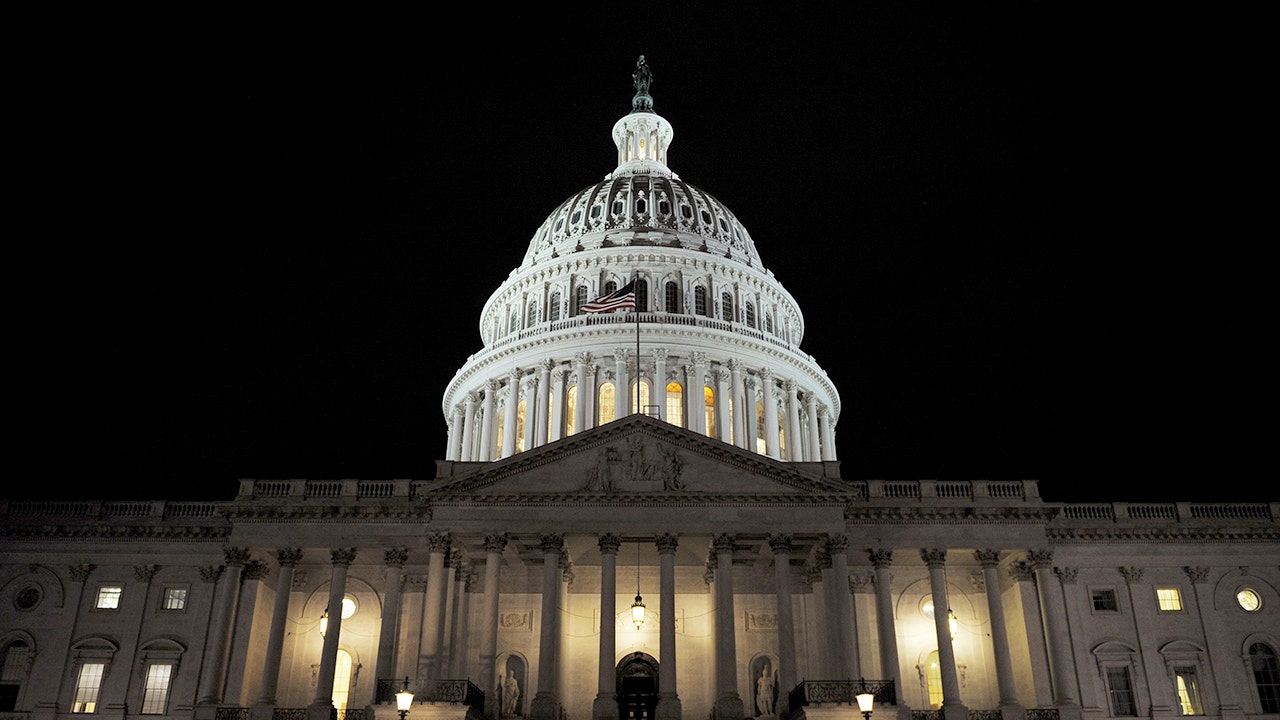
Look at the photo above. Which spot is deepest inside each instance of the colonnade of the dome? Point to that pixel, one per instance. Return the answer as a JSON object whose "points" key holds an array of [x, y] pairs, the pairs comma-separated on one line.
{"points": [[754, 408]]}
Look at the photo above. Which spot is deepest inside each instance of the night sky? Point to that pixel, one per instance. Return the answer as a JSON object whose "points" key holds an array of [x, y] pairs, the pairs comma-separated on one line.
{"points": [[257, 244]]}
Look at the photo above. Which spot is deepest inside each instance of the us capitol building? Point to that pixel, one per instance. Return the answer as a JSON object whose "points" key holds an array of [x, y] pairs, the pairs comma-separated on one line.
{"points": [[639, 514]]}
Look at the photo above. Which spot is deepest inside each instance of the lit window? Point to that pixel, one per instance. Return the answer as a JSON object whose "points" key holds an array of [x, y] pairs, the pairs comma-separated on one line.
{"points": [[1120, 692], [155, 694], [1169, 599], [87, 686], [606, 403], [571, 411], [675, 404], [1104, 600], [709, 404], [109, 597], [1188, 691], [175, 598], [1248, 599]]}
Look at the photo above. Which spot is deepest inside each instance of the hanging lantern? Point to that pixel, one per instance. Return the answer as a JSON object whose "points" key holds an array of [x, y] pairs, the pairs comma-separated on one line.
{"points": [[637, 612]]}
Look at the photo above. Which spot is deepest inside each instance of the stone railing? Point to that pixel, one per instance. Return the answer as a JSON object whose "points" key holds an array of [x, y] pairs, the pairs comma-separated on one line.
{"points": [[458, 692], [843, 692]]}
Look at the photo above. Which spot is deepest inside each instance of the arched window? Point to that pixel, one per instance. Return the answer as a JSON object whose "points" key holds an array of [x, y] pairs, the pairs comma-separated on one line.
{"points": [[579, 299], [671, 301], [571, 411], [1266, 676], [768, 323], [514, 323], [709, 407], [750, 311], [761, 446], [700, 301], [14, 663], [531, 318], [522, 428], [342, 681], [675, 404], [726, 307], [933, 676], [642, 295], [553, 312], [606, 403]]}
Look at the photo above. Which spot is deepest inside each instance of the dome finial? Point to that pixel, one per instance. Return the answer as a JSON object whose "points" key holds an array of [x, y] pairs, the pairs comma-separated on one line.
{"points": [[642, 77]]}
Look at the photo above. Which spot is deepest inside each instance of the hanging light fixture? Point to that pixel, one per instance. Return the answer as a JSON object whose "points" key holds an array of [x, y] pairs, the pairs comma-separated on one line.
{"points": [[637, 607], [324, 622], [952, 623]]}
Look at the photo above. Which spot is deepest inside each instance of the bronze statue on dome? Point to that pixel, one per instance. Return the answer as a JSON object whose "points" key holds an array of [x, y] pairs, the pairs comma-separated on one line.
{"points": [[642, 77]]}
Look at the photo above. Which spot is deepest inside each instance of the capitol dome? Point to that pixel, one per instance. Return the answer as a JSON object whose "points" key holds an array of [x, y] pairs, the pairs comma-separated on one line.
{"points": [[712, 346]]}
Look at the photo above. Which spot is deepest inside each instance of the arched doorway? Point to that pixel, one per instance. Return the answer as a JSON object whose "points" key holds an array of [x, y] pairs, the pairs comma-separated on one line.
{"points": [[637, 687]]}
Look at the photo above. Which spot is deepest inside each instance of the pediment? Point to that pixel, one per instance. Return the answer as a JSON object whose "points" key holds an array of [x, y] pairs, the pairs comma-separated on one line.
{"points": [[638, 455]]}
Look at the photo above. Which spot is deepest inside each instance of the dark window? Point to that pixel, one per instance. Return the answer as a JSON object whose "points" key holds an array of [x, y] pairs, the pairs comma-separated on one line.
{"points": [[700, 301], [726, 307], [1104, 600], [579, 299], [750, 315], [1266, 676], [554, 310], [642, 295], [1120, 692], [671, 303]]}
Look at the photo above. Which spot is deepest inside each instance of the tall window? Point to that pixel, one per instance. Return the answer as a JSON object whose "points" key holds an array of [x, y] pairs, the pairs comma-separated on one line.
{"points": [[522, 428], [768, 323], [14, 662], [579, 299], [700, 301], [761, 446], [750, 311], [609, 287], [1188, 691], [606, 404], [1120, 691], [671, 301], [553, 312], [933, 676], [709, 407], [109, 597], [640, 390], [1266, 676], [675, 404], [571, 411], [726, 307], [531, 317], [342, 681], [642, 295], [88, 683], [155, 691], [514, 322]]}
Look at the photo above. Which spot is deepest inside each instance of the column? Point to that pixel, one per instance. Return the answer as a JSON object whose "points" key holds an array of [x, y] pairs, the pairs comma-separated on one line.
{"points": [[580, 401], [697, 393], [889, 666], [811, 408], [493, 547], [389, 632], [1055, 613], [743, 412], [288, 559], [605, 706], [728, 703], [543, 406], [487, 428], [795, 446], [828, 440], [781, 546], [621, 384], [451, 441], [531, 410], [558, 378], [509, 416], [952, 707], [468, 422], [770, 414], [322, 707], [433, 613], [220, 627], [724, 429], [669, 706], [990, 561], [838, 546], [457, 614], [749, 421], [692, 401], [545, 705], [660, 382]]}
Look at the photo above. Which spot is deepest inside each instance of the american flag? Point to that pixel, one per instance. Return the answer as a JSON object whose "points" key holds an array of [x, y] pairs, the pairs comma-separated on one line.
{"points": [[624, 298]]}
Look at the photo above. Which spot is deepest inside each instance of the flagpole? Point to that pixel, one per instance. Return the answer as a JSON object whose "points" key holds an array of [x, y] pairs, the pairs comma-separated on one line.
{"points": [[637, 312]]}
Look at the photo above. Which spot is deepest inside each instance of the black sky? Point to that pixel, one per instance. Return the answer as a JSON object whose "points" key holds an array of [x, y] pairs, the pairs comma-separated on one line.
{"points": [[257, 243]]}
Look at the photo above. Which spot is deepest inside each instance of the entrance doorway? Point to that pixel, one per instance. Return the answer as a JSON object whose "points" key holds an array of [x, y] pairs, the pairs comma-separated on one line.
{"points": [[637, 687]]}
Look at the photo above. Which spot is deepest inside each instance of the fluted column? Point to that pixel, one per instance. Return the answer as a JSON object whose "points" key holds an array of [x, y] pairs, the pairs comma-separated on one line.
{"points": [[669, 706], [692, 400], [621, 384], [322, 706], [724, 427], [781, 546], [509, 415], [389, 632], [489, 422], [542, 415], [749, 421], [952, 706], [451, 437], [457, 614], [742, 409], [728, 703], [581, 419], [881, 560], [493, 546], [288, 559], [220, 628], [605, 706], [795, 446], [698, 393], [811, 409], [467, 453], [660, 382], [545, 705], [990, 562], [433, 614], [828, 440], [1055, 613], [847, 646], [770, 414], [558, 378]]}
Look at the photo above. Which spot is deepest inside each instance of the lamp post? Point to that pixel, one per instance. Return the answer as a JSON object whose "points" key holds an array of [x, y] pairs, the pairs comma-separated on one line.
{"points": [[404, 699], [866, 700]]}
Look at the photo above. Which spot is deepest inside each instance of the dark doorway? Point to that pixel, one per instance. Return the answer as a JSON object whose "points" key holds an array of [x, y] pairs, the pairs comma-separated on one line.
{"points": [[637, 687]]}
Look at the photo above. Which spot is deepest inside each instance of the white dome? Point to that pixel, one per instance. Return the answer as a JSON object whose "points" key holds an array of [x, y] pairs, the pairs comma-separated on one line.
{"points": [[715, 340]]}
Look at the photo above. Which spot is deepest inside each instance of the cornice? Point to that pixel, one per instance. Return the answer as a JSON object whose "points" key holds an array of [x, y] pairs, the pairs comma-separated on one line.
{"points": [[408, 512], [97, 532], [637, 500], [860, 514], [1164, 535]]}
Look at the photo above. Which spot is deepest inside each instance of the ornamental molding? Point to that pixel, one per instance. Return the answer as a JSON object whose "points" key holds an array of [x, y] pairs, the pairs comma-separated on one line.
{"points": [[1163, 535], [858, 513], [95, 533]]}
